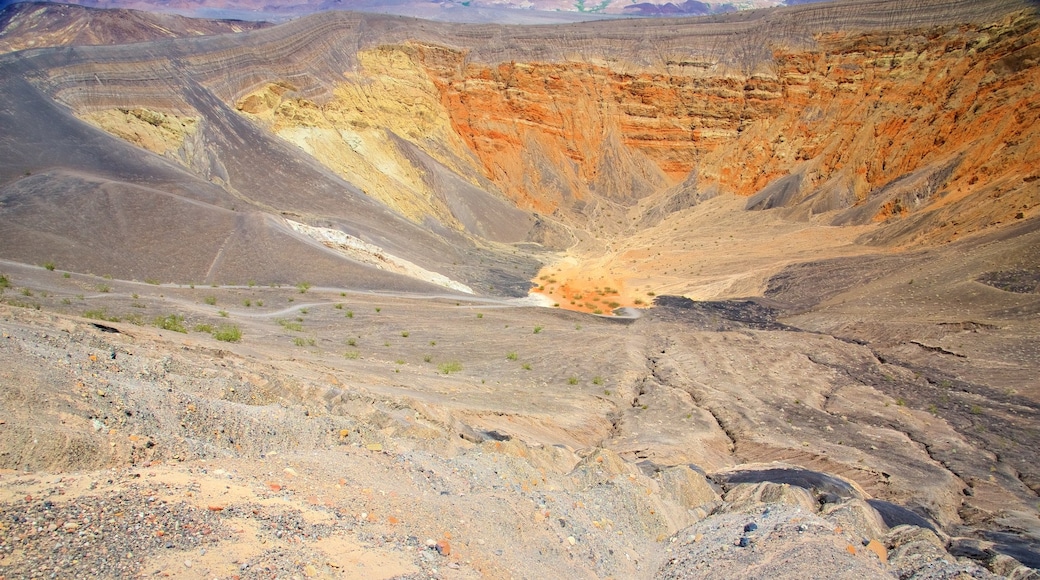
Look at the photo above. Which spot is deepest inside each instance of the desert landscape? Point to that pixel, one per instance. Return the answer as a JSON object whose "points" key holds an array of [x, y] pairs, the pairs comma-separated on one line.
{"points": [[354, 295]]}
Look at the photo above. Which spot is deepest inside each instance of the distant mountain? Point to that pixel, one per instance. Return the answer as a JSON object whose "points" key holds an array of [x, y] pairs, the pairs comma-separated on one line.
{"points": [[499, 11], [39, 24]]}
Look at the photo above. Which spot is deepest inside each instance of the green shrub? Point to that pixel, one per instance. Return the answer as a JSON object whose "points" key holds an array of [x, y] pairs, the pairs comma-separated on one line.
{"points": [[66, 275], [228, 333], [350, 314], [597, 380], [537, 329], [104, 288], [100, 314], [223, 313], [352, 354], [572, 380], [450, 367], [427, 358], [290, 325], [301, 341], [404, 334], [303, 287], [207, 328], [211, 300], [49, 265], [511, 356], [351, 342], [526, 366], [174, 322]]}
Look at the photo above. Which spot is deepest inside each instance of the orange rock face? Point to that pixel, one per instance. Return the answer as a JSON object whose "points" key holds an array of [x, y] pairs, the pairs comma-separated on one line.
{"points": [[856, 112]]}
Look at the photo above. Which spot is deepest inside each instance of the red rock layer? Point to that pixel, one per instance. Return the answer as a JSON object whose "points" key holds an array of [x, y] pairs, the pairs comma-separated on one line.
{"points": [[854, 113]]}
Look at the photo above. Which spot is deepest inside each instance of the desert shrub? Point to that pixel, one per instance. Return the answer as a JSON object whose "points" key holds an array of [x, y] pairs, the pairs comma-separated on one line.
{"points": [[352, 354], [450, 367], [228, 333], [291, 325], [301, 341], [49, 265], [211, 300], [100, 314], [207, 328], [303, 287], [174, 322], [511, 356], [537, 329], [572, 380]]}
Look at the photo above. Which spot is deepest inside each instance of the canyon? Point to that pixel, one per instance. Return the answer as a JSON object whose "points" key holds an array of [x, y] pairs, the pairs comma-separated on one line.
{"points": [[619, 287]]}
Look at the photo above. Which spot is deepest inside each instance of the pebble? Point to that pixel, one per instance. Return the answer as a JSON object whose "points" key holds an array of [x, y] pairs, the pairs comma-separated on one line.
{"points": [[750, 527], [743, 542]]}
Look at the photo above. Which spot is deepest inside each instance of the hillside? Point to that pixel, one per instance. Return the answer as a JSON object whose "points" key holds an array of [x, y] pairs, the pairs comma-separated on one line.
{"points": [[618, 289]]}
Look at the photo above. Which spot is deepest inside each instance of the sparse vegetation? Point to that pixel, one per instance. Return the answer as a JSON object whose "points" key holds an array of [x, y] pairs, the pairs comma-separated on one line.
{"points": [[247, 303], [304, 341], [294, 326], [351, 342], [26, 292], [597, 380], [207, 328], [152, 281], [174, 322], [350, 314], [49, 266], [572, 380], [526, 366], [100, 314], [404, 334], [511, 356], [303, 287], [352, 354], [228, 333], [427, 358], [378, 309], [537, 329], [211, 300], [66, 275], [104, 288], [338, 306], [480, 315], [223, 313], [449, 367]]}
